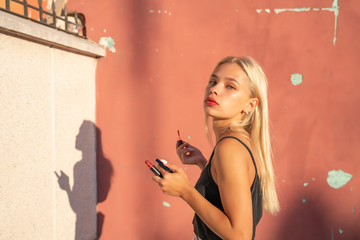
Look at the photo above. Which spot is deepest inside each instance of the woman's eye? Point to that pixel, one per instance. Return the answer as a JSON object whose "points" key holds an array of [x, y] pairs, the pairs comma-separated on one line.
{"points": [[212, 82], [230, 86]]}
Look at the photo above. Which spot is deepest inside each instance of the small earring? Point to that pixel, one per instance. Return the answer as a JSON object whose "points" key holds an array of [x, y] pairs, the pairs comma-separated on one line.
{"points": [[246, 111]]}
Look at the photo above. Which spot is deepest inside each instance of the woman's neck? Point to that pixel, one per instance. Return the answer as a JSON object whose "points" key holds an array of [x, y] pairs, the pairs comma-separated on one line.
{"points": [[221, 129]]}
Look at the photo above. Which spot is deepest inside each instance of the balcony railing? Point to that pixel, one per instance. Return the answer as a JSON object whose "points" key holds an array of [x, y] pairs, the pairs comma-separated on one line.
{"points": [[56, 17]]}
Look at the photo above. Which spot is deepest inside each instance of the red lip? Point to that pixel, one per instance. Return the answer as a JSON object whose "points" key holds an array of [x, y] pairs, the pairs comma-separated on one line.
{"points": [[210, 101]]}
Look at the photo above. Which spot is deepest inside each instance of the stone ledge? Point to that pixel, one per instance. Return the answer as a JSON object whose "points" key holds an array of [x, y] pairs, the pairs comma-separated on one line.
{"points": [[32, 31]]}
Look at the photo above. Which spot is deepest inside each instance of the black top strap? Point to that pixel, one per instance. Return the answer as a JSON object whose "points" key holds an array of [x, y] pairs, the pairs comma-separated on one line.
{"points": [[252, 157]]}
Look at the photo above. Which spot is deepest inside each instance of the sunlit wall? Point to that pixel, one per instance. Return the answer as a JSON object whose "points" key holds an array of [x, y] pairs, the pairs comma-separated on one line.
{"points": [[160, 55]]}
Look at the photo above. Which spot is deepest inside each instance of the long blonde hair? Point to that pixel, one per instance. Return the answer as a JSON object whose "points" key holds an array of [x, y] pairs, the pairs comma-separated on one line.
{"points": [[256, 124]]}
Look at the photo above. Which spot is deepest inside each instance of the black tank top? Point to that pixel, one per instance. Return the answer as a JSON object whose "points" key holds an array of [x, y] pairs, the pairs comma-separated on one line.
{"points": [[207, 187]]}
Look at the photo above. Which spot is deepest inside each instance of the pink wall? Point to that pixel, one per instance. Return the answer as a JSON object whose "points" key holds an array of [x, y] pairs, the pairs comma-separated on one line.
{"points": [[153, 85]]}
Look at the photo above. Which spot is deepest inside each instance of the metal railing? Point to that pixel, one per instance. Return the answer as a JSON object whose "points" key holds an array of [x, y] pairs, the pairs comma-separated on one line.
{"points": [[61, 19]]}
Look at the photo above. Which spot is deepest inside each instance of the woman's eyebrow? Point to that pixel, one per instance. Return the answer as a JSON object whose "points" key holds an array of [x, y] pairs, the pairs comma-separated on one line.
{"points": [[226, 78], [233, 80]]}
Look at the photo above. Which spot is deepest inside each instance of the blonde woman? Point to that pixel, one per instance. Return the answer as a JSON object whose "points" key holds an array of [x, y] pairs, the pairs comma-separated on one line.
{"points": [[237, 182]]}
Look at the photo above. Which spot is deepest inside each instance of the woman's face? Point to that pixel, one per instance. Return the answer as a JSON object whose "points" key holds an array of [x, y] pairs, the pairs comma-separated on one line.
{"points": [[227, 94]]}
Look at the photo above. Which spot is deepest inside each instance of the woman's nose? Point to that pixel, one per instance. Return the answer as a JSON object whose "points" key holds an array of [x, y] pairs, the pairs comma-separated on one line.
{"points": [[215, 89]]}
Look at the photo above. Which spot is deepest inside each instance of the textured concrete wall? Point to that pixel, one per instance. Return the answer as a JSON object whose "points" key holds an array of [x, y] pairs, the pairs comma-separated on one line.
{"points": [[47, 142]]}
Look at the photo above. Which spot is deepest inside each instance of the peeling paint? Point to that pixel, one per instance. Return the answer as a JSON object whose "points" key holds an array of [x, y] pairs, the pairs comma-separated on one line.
{"points": [[108, 42], [267, 10], [341, 231], [296, 79], [166, 204], [306, 184], [160, 11], [334, 8], [354, 210], [303, 200], [280, 10], [338, 178]]}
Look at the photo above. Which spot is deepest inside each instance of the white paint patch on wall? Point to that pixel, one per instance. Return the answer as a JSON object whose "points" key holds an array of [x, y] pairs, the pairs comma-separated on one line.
{"points": [[334, 8], [338, 178], [296, 79], [165, 12], [108, 42], [166, 204]]}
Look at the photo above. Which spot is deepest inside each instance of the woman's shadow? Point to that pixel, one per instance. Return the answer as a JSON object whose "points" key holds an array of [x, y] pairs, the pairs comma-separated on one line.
{"points": [[82, 196], [305, 218]]}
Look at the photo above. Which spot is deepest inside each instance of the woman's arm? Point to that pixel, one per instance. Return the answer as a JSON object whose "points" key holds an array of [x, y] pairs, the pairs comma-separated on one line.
{"points": [[230, 162]]}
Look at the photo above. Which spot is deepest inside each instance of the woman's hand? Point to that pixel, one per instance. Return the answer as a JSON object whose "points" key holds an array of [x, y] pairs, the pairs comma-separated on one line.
{"points": [[173, 184], [63, 181], [189, 154]]}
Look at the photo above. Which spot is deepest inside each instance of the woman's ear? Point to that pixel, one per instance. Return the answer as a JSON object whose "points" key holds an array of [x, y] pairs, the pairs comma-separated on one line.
{"points": [[252, 104]]}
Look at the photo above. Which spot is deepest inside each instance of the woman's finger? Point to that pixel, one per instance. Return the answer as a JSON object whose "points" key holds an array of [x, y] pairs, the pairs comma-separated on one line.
{"points": [[163, 171], [173, 167], [186, 151], [156, 179], [183, 146]]}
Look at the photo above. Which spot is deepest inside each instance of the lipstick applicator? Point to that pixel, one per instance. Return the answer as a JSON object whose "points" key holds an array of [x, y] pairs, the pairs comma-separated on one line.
{"points": [[179, 142], [153, 169]]}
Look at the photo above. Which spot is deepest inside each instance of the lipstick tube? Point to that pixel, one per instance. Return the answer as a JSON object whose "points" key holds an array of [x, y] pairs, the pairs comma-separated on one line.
{"points": [[153, 169]]}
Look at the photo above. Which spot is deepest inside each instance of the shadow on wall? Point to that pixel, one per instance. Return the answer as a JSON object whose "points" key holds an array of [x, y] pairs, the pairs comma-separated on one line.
{"points": [[311, 219], [104, 174], [83, 188], [305, 219]]}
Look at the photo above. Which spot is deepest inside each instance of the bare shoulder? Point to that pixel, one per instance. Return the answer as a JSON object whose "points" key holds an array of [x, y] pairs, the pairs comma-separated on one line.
{"points": [[230, 149], [231, 160]]}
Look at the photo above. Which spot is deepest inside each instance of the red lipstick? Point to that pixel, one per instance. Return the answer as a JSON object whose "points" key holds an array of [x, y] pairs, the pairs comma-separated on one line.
{"points": [[211, 101], [153, 169]]}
